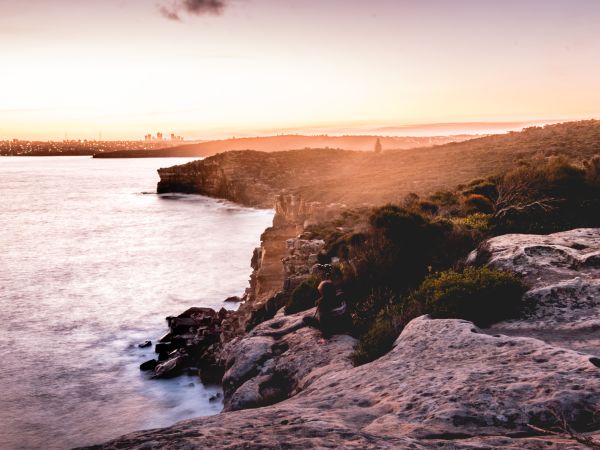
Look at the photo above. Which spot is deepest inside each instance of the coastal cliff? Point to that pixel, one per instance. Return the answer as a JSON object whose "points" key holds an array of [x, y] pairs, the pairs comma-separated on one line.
{"points": [[445, 384], [274, 274], [197, 337], [253, 178]]}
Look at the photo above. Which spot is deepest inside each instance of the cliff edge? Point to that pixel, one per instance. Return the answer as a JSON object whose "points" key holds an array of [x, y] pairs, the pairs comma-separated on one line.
{"points": [[445, 384]]}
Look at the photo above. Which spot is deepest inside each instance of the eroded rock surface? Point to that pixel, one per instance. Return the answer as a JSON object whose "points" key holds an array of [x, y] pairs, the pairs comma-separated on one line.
{"points": [[277, 359], [564, 274], [445, 384]]}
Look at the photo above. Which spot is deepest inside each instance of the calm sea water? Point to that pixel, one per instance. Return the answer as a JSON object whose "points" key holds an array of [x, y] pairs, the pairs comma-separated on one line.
{"points": [[91, 262]]}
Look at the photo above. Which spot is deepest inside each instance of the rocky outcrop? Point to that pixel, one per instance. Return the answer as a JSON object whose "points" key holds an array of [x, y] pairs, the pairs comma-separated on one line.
{"points": [[445, 384], [302, 256], [277, 359], [285, 256], [196, 338], [193, 344], [563, 270], [253, 178], [229, 176]]}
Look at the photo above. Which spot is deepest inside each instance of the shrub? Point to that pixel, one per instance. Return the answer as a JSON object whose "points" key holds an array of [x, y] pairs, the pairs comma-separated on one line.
{"points": [[481, 187], [428, 207], [383, 332], [478, 222], [375, 342], [547, 195], [401, 248], [303, 297], [410, 200], [481, 295], [592, 171], [444, 198], [396, 222], [477, 203], [365, 311]]}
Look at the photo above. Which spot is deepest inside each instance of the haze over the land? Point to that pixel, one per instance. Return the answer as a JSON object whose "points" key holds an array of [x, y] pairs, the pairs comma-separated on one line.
{"points": [[205, 70]]}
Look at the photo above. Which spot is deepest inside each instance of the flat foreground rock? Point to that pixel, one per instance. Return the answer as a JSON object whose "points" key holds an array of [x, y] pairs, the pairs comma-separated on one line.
{"points": [[445, 384]]}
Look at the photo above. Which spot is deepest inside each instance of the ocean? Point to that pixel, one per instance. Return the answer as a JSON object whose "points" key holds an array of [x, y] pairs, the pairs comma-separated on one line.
{"points": [[91, 263]]}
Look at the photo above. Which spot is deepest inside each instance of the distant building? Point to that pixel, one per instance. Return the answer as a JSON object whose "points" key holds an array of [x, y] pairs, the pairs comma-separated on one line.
{"points": [[159, 136]]}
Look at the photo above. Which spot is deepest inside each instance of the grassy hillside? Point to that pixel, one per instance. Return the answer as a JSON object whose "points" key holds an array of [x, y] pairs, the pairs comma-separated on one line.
{"points": [[392, 175], [364, 177]]}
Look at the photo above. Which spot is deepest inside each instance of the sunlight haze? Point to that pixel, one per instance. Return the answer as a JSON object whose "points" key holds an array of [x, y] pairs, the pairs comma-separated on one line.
{"points": [[120, 68]]}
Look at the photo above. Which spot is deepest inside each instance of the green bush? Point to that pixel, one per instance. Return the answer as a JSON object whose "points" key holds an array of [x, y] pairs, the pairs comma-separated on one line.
{"points": [[410, 200], [365, 311], [478, 222], [396, 222], [375, 342], [386, 328], [444, 198], [592, 171], [395, 255], [481, 295], [303, 297]]}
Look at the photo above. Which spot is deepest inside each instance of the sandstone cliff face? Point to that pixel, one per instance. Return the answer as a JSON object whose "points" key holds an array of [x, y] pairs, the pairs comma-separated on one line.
{"points": [[254, 178], [284, 258], [223, 176], [445, 384]]}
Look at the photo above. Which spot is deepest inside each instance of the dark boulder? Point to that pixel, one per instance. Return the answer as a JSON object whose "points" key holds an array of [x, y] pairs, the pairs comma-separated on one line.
{"points": [[163, 347], [171, 368], [149, 365]]}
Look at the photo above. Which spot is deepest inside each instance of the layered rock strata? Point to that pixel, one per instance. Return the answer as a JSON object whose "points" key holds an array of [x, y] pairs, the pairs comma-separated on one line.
{"points": [[253, 178], [285, 256]]}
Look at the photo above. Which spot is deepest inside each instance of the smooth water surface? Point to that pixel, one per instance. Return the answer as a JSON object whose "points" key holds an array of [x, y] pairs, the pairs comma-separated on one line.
{"points": [[91, 263]]}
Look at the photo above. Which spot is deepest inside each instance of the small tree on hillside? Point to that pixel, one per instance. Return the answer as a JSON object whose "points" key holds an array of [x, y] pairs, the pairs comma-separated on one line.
{"points": [[377, 146]]}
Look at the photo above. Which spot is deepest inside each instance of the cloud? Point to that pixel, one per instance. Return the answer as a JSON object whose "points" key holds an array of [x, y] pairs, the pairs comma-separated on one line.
{"points": [[194, 7]]}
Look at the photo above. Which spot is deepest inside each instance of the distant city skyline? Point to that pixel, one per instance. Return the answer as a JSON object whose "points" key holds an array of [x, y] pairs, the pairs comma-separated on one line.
{"points": [[256, 67]]}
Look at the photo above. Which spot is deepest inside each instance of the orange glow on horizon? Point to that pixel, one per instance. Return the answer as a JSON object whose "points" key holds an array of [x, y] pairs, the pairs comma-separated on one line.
{"points": [[277, 66]]}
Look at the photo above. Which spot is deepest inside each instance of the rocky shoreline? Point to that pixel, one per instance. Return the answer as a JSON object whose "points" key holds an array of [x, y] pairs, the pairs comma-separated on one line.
{"points": [[445, 384], [198, 341]]}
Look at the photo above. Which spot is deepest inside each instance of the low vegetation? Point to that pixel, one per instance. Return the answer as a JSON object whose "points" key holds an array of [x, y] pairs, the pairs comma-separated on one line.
{"points": [[481, 295], [402, 260], [303, 296]]}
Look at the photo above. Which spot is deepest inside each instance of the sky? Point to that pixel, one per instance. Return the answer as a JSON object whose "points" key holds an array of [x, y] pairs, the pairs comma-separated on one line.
{"points": [[220, 68]]}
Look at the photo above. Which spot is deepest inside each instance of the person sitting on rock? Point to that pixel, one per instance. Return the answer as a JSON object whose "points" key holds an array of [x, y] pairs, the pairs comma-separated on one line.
{"points": [[332, 315]]}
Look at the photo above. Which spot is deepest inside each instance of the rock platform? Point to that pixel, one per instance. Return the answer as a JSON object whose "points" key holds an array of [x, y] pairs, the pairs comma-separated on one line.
{"points": [[446, 384]]}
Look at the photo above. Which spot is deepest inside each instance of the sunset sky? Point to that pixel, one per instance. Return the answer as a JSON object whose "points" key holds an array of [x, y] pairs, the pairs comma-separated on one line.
{"points": [[130, 67]]}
